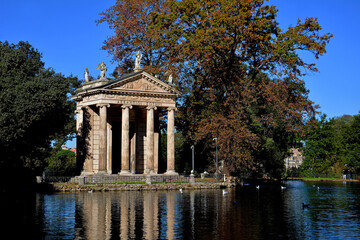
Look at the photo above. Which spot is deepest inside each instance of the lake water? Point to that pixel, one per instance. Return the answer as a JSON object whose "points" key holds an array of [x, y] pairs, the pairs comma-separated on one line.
{"points": [[244, 213]]}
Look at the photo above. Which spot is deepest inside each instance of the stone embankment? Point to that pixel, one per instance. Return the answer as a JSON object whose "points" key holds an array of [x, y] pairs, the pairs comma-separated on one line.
{"points": [[139, 187]]}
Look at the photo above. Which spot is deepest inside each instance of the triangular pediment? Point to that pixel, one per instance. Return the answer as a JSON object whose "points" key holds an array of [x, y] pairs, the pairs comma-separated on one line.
{"points": [[138, 84], [142, 82]]}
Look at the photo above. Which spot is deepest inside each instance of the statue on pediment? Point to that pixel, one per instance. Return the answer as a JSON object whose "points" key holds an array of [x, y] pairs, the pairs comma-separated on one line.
{"points": [[102, 67], [170, 79], [138, 61], [86, 73]]}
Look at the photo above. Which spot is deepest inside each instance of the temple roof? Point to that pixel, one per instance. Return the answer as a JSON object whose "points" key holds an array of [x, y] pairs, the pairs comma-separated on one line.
{"points": [[137, 84]]}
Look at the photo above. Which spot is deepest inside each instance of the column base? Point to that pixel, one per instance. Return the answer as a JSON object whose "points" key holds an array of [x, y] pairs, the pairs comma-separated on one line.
{"points": [[152, 172], [171, 172], [149, 172], [124, 172], [85, 173], [102, 172]]}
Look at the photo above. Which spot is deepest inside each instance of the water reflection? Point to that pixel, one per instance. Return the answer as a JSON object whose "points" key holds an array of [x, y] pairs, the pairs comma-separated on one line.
{"points": [[333, 212], [247, 213], [147, 215]]}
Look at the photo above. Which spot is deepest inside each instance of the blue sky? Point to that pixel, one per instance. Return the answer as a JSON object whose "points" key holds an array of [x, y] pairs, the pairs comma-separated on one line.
{"points": [[66, 34], [336, 86]]}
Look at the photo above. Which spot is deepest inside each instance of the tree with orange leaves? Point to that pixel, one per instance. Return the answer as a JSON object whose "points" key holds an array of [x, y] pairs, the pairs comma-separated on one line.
{"points": [[130, 20], [240, 73]]}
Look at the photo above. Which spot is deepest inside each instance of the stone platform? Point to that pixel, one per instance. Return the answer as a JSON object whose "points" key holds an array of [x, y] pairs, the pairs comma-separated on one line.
{"points": [[135, 178]]}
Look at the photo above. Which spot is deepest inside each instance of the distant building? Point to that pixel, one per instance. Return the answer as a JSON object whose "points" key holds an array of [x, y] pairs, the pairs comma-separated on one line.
{"points": [[64, 148], [295, 159], [73, 150]]}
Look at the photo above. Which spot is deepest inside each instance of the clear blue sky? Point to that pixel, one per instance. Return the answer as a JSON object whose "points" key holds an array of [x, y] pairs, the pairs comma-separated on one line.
{"points": [[66, 33]]}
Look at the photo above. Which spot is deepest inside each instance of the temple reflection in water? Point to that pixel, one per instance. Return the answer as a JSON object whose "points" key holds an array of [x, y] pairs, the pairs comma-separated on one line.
{"points": [[193, 214], [128, 215]]}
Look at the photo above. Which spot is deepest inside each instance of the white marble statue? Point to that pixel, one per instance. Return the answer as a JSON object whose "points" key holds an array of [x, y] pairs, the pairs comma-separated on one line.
{"points": [[102, 67], [86, 73], [138, 60], [170, 79]]}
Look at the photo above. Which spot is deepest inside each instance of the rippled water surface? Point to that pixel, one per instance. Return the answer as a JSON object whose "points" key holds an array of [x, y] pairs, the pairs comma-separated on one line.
{"points": [[245, 213]]}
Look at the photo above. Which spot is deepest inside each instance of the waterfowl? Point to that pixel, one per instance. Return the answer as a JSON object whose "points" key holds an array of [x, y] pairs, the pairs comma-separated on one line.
{"points": [[305, 205]]}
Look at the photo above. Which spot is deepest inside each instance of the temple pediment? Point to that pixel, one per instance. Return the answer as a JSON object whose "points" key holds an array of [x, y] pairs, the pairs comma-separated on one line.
{"points": [[141, 82], [134, 84]]}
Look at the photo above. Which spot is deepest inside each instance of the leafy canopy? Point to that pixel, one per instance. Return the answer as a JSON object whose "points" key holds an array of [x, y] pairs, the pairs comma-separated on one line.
{"points": [[332, 145], [241, 74], [35, 106]]}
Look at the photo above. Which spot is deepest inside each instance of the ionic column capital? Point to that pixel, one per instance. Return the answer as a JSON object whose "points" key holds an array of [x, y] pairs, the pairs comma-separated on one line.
{"points": [[151, 107], [100, 105], [171, 109], [126, 106]]}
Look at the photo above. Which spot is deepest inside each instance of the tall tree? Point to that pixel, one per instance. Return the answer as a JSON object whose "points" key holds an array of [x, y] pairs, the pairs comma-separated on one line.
{"points": [[241, 75], [246, 77], [35, 107], [130, 21]]}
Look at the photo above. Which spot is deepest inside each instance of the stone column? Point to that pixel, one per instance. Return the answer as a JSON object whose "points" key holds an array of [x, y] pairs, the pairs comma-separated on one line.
{"points": [[125, 141], [109, 148], [133, 154], [156, 152], [79, 119], [150, 140], [79, 138], [86, 147], [170, 170], [103, 137]]}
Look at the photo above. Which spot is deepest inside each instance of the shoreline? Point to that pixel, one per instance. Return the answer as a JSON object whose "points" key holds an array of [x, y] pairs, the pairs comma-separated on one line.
{"points": [[323, 179], [103, 187]]}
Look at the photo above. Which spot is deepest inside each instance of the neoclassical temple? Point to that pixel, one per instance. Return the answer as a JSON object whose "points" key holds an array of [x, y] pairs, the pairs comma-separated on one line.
{"points": [[118, 123]]}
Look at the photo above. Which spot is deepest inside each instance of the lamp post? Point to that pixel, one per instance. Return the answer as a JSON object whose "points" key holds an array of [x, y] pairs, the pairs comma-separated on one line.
{"points": [[215, 139], [192, 176], [193, 149]]}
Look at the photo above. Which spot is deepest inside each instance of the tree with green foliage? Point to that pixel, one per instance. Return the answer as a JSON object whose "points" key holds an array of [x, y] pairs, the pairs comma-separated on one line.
{"points": [[321, 148], [61, 163], [351, 152], [331, 146], [36, 111], [240, 73]]}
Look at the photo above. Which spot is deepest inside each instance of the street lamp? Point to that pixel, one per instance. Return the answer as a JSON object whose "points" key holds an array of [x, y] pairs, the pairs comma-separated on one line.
{"points": [[215, 139], [192, 148]]}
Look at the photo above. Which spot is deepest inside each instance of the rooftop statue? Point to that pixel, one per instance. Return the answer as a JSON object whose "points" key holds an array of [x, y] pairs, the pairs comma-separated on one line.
{"points": [[86, 75], [170, 79], [102, 67], [138, 61]]}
